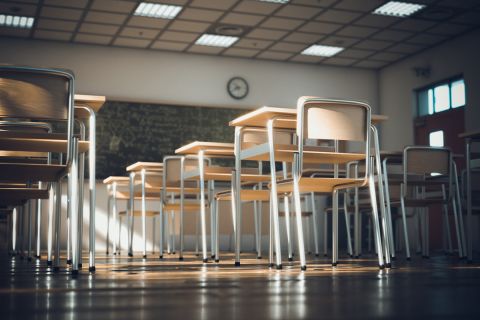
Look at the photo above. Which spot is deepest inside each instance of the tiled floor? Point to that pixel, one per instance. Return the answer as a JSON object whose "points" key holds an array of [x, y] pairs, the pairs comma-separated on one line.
{"points": [[125, 288]]}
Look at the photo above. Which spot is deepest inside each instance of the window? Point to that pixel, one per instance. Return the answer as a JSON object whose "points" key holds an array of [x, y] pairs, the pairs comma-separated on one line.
{"points": [[435, 139], [441, 96]]}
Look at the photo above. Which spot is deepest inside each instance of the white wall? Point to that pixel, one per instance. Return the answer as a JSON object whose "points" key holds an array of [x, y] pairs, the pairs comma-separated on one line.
{"points": [[398, 81], [186, 79]]}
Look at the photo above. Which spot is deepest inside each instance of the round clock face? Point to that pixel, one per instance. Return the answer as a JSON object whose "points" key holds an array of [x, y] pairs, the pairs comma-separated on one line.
{"points": [[237, 88]]}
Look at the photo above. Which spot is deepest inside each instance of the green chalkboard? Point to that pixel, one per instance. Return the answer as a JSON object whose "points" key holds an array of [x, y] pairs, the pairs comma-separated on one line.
{"points": [[130, 132]]}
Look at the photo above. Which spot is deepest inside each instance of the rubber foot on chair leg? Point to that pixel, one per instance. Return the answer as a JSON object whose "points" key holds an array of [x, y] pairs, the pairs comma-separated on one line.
{"points": [[316, 254], [388, 265], [38, 257], [212, 256], [271, 265], [130, 255], [303, 268], [325, 255], [290, 259], [180, 258], [91, 269], [144, 256], [80, 266], [237, 263], [173, 252], [161, 256], [393, 258], [106, 253], [205, 260], [74, 273], [217, 260], [334, 264], [114, 253], [69, 261], [49, 263], [278, 267], [197, 254], [409, 259], [382, 266]]}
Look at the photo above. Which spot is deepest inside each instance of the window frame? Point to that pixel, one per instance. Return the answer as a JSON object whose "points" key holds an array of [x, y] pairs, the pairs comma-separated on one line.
{"points": [[432, 87]]}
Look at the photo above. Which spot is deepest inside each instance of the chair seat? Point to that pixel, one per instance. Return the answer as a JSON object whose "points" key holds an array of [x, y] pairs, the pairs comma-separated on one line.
{"points": [[245, 195], [138, 213], [187, 207], [37, 142], [318, 184], [31, 172], [14, 195]]}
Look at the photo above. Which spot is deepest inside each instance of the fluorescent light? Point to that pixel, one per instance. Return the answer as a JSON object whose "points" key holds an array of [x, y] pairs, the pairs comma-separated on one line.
{"points": [[322, 51], [157, 10], [398, 9], [214, 40], [7, 20], [276, 1]]}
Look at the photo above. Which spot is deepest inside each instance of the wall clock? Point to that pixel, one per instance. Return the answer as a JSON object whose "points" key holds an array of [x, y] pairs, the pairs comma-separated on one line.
{"points": [[237, 88]]}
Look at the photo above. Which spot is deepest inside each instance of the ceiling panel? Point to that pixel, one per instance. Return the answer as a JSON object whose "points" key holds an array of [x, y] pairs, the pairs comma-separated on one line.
{"points": [[271, 31]]}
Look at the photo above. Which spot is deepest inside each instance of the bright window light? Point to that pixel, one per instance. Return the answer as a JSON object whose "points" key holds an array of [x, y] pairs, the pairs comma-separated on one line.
{"points": [[398, 9], [458, 93], [430, 101], [214, 40], [442, 97], [322, 51], [7, 20], [157, 10], [276, 1], [436, 139]]}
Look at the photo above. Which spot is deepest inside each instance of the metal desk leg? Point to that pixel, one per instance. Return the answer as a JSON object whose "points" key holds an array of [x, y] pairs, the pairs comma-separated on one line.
{"points": [[115, 217], [236, 197], [131, 209], [201, 166], [468, 142], [144, 215]]}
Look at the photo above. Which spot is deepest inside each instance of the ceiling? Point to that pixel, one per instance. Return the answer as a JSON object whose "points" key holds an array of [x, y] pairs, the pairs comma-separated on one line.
{"points": [[271, 31]]}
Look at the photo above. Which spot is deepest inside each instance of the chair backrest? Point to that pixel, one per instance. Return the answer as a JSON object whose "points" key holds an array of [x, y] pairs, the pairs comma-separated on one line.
{"points": [[172, 170], [421, 162], [259, 136]]}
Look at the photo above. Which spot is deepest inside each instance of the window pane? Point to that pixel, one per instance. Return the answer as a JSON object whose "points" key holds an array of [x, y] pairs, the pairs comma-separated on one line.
{"points": [[430, 101], [458, 93], [423, 103], [436, 139], [442, 97]]}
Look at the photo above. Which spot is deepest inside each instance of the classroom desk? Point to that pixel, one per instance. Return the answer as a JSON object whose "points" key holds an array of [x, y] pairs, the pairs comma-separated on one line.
{"points": [[273, 118], [154, 170], [470, 138], [86, 106]]}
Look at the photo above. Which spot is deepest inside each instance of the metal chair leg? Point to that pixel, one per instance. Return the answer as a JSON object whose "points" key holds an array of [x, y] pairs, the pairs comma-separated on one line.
{"points": [[335, 228], [51, 210], [315, 224], [58, 220], [376, 223]]}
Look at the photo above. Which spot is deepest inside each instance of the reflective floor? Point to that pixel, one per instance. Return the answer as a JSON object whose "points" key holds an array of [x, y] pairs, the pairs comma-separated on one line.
{"points": [[125, 288]]}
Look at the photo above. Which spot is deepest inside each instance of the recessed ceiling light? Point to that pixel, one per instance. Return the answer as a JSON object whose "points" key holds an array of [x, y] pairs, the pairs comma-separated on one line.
{"points": [[7, 20], [157, 10], [276, 1], [322, 51], [214, 40], [398, 9]]}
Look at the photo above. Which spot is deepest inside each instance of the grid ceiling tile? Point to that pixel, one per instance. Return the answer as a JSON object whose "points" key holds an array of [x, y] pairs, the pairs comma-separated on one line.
{"points": [[301, 37], [287, 47], [373, 44], [448, 29], [355, 53], [183, 25], [362, 6], [356, 31], [425, 38], [252, 43], [307, 59], [370, 64], [52, 35], [336, 61], [392, 35], [338, 16], [267, 34], [240, 52], [200, 14], [257, 7], [205, 49], [213, 4], [60, 13], [413, 25], [14, 32], [378, 21], [406, 48], [387, 56], [170, 46], [320, 27], [92, 38], [299, 12], [105, 17], [63, 3], [59, 25], [147, 22], [114, 6], [97, 28], [315, 3], [242, 19], [339, 41], [272, 55], [281, 23], [25, 9], [139, 33], [131, 42], [175, 2], [179, 36]]}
